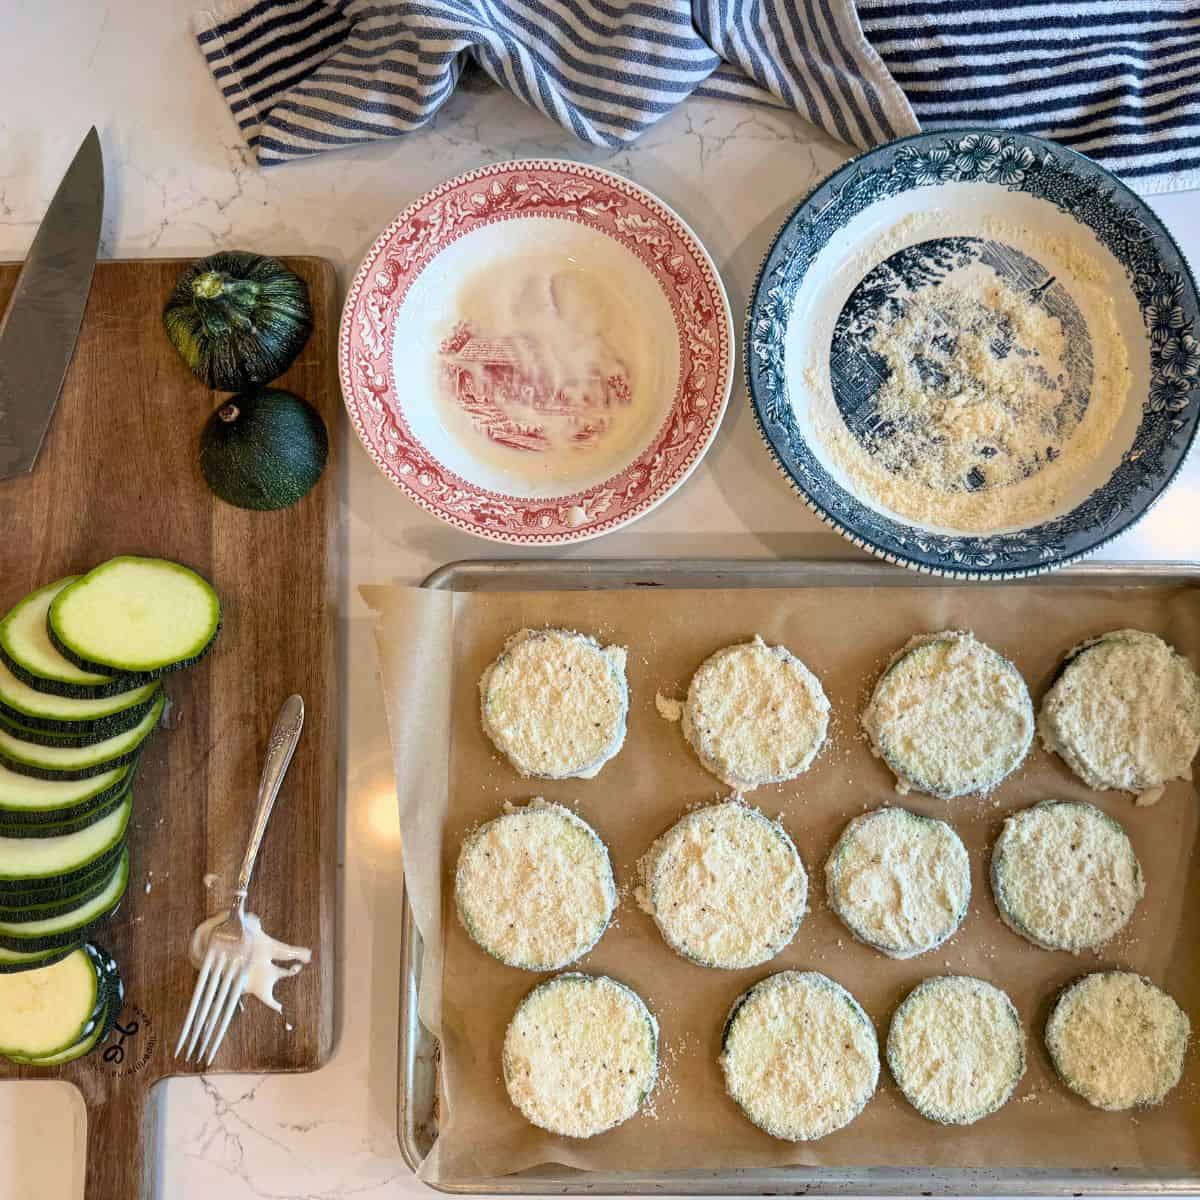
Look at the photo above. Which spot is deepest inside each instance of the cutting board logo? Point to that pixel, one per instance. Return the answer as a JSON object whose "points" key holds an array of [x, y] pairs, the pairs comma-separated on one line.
{"points": [[131, 1043]]}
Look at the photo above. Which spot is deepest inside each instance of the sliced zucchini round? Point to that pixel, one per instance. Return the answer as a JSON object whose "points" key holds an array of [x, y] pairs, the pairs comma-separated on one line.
{"points": [[48, 830], [755, 714], [26, 649], [554, 703], [60, 861], [956, 1049], [55, 889], [580, 1055], [725, 886], [1117, 1040], [66, 929], [45, 760], [1065, 875], [37, 906], [534, 887], [899, 881], [49, 1009], [800, 1056], [96, 718], [1124, 713], [25, 800], [135, 616], [950, 716], [12, 961]]}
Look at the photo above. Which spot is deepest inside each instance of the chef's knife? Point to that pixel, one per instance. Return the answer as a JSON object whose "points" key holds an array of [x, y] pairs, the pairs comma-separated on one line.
{"points": [[40, 327]]}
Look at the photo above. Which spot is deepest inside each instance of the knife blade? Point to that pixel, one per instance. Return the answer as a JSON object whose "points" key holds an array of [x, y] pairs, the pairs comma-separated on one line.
{"points": [[41, 325]]}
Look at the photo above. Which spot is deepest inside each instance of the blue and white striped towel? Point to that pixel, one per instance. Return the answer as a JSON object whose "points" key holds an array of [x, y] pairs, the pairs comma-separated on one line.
{"points": [[1117, 79]]}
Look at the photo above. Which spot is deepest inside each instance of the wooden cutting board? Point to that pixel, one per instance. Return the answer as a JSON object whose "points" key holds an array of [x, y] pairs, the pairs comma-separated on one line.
{"points": [[118, 474]]}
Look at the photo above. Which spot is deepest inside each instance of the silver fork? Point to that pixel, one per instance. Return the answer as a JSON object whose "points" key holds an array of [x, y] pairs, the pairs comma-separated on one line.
{"points": [[223, 975]]}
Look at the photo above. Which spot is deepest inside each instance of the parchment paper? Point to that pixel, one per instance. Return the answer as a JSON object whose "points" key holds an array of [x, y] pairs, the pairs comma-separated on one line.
{"points": [[845, 636]]}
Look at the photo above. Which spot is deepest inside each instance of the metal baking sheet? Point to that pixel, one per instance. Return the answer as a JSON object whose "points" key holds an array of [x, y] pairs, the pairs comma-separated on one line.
{"points": [[417, 1100]]}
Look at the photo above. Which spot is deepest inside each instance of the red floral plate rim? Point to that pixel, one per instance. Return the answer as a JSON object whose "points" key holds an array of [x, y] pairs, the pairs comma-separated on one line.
{"points": [[557, 190]]}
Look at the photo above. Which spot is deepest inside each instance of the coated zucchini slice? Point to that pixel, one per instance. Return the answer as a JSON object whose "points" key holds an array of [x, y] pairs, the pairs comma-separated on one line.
{"points": [[61, 860], [97, 718], [47, 761], [135, 616], [26, 648], [12, 961], [24, 799], [50, 1009], [67, 928], [37, 906]]}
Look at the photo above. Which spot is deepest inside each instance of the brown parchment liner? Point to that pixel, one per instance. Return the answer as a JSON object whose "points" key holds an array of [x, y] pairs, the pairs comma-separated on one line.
{"points": [[845, 636]]}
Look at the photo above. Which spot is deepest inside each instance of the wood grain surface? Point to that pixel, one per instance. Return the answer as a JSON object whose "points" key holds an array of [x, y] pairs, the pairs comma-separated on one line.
{"points": [[118, 474]]}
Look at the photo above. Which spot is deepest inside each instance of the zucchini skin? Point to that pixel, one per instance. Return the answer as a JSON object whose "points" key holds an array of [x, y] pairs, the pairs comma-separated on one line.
{"points": [[48, 959], [41, 908], [57, 889], [92, 730], [72, 739], [69, 691], [53, 822], [56, 941], [68, 879]]}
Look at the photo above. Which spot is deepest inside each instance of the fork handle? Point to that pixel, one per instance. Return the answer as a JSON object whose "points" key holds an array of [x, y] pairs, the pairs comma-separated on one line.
{"points": [[280, 747]]}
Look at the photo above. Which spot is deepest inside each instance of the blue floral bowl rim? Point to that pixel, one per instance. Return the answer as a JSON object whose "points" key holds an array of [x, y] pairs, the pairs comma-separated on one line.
{"points": [[956, 572]]}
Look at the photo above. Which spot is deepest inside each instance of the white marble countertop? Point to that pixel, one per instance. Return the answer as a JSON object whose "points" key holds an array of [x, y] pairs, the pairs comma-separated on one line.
{"points": [[180, 182]]}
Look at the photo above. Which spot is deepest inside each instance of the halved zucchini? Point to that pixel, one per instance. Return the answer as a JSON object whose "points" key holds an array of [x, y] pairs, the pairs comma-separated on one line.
{"points": [[51, 1009], [12, 961], [25, 800], [41, 760], [37, 906], [62, 860], [26, 648], [67, 928], [135, 616], [98, 718]]}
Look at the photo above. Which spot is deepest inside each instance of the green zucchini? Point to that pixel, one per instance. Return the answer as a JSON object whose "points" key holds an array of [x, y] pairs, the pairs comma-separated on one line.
{"points": [[238, 319], [36, 906], [67, 889], [68, 927], [12, 961], [24, 800], [137, 616], [50, 1009], [40, 760], [97, 718], [27, 651], [62, 861], [41, 829], [263, 450]]}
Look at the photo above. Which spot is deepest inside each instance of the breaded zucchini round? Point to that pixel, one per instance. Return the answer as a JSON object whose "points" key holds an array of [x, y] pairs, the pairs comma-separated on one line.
{"points": [[900, 882], [956, 1049], [1117, 1040], [1124, 713], [755, 714], [725, 886], [950, 716], [534, 887], [580, 1055], [554, 703], [800, 1056], [1064, 875]]}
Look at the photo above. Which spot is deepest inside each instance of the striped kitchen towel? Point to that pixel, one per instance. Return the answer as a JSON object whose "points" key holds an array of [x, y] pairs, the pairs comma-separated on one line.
{"points": [[1118, 79]]}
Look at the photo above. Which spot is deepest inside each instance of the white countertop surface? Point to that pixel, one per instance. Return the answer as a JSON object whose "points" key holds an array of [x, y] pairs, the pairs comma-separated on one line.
{"points": [[181, 182]]}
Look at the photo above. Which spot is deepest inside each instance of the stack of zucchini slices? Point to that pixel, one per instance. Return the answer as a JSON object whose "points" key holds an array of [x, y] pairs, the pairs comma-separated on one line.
{"points": [[80, 664]]}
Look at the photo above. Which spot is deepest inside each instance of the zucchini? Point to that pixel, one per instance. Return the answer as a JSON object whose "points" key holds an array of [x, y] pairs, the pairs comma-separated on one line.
{"points": [[67, 928], [40, 830], [59, 889], [61, 861], [24, 800], [136, 616], [97, 718], [26, 649], [12, 961], [50, 1009], [40, 760], [35, 906]]}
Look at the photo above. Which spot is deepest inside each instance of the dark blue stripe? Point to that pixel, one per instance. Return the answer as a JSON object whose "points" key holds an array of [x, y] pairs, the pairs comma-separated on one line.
{"points": [[425, 104], [337, 120], [1184, 164], [378, 83], [239, 22], [849, 61], [303, 57], [1127, 151], [277, 88], [791, 79], [1072, 127], [338, 63], [490, 61], [823, 56], [930, 9], [288, 22]]}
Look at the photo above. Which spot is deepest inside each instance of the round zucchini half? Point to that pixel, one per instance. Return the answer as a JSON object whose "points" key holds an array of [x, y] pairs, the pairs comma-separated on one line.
{"points": [[142, 617], [580, 1055], [800, 1056], [956, 1049]]}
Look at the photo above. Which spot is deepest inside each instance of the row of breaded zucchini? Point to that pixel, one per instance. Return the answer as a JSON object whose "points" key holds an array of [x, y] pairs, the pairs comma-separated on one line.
{"points": [[80, 666]]}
